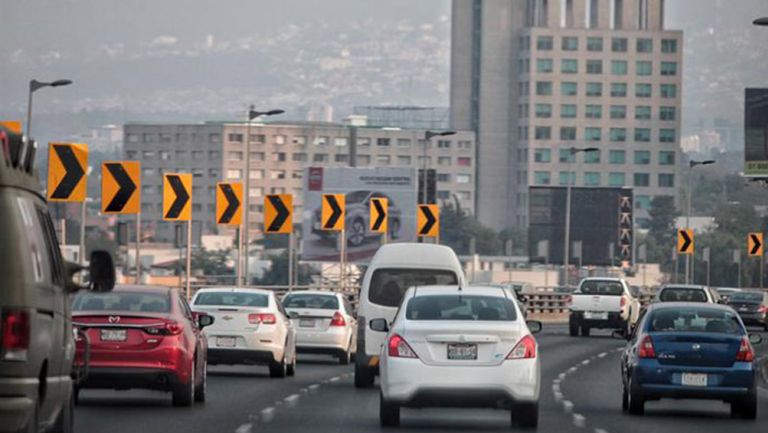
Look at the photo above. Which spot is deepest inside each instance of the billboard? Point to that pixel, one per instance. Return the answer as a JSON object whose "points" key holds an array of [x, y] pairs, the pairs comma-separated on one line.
{"points": [[756, 132], [601, 219], [396, 184]]}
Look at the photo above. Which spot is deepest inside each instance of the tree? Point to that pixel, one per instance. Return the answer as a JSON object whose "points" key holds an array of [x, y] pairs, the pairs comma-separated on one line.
{"points": [[457, 228], [212, 262], [277, 275], [661, 233]]}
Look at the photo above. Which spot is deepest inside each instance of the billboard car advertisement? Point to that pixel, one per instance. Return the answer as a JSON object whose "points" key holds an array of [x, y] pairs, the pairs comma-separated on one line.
{"points": [[756, 132], [359, 186]]}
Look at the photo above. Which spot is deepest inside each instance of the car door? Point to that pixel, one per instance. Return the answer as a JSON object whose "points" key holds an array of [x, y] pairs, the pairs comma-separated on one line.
{"points": [[351, 320], [199, 343], [290, 330]]}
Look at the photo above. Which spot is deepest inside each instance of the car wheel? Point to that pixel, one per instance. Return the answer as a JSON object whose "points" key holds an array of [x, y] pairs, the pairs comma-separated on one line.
{"points": [[345, 357], [574, 329], [33, 426], [526, 415], [76, 394], [290, 370], [202, 387], [357, 233], [363, 375], [624, 399], [584, 331], [745, 408], [184, 394], [65, 420], [389, 413], [636, 404], [278, 369]]}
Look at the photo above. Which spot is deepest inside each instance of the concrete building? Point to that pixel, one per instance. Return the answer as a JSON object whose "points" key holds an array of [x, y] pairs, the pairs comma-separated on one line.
{"points": [[534, 78], [215, 151]]}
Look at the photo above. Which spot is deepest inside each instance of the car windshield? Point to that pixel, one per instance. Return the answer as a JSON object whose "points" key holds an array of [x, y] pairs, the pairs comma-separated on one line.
{"points": [[389, 285], [139, 302], [357, 196], [682, 294], [596, 287], [320, 302], [691, 319], [233, 299], [460, 307], [747, 297]]}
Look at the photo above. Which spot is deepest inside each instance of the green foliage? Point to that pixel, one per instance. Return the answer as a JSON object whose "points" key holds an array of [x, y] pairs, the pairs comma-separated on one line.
{"points": [[661, 233], [277, 275], [457, 228], [212, 262]]}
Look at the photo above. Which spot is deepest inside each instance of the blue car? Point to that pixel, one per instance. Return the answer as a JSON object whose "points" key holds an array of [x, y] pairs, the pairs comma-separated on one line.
{"points": [[685, 350]]}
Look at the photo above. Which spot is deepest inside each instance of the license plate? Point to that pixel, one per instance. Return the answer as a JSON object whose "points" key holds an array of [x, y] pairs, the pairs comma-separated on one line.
{"points": [[306, 323], [694, 379], [462, 351], [596, 315], [225, 341], [743, 308], [114, 335]]}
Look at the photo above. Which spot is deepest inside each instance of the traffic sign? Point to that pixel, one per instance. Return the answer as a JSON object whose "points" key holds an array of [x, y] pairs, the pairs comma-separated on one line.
{"points": [[278, 213], [428, 221], [685, 241], [755, 244], [12, 125], [177, 197], [66, 171], [379, 209], [332, 214], [229, 199], [121, 187]]}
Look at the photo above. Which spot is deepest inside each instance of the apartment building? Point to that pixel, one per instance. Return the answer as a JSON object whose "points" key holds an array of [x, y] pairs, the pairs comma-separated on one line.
{"points": [[535, 78], [279, 152]]}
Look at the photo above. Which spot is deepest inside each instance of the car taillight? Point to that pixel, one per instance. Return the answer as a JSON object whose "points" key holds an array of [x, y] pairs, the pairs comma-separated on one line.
{"points": [[524, 349], [14, 335], [762, 309], [338, 320], [170, 327], [398, 348], [746, 353], [646, 348], [265, 318], [623, 301]]}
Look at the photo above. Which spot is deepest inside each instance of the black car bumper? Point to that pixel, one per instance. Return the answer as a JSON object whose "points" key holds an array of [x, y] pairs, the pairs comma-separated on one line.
{"points": [[233, 357], [129, 378], [614, 321]]}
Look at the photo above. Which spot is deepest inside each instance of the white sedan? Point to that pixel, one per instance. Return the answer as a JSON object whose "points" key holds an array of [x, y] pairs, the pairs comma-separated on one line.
{"points": [[324, 323], [459, 347], [250, 327]]}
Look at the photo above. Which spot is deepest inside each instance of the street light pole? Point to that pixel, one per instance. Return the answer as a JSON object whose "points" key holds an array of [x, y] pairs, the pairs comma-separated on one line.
{"points": [[571, 180], [243, 258], [689, 257], [427, 137]]}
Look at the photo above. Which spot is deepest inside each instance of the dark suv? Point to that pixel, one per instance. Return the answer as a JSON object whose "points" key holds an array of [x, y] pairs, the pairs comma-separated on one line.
{"points": [[36, 339]]}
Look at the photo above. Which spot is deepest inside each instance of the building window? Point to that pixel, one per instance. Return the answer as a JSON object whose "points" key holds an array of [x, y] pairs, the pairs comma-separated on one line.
{"points": [[569, 66], [666, 180], [568, 111], [618, 111], [403, 142], [642, 90], [443, 177], [132, 137], [198, 154], [297, 174], [617, 157], [569, 88], [279, 139], [214, 154], [543, 88], [320, 141], [618, 90], [463, 178], [541, 178], [643, 112], [594, 66], [618, 67], [544, 65], [382, 141], [278, 156], [403, 160], [340, 141], [567, 133], [165, 137], [591, 178], [592, 157], [542, 133], [666, 135], [618, 134], [642, 179], [320, 157], [594, 111], [444, 144], [619, 45], [165, 155], [255, 192], [443, 160], [666, 157], [234, 174], [444, 195], [542, 155], [277, 174], [464, 144], [213, 173], [666, 113], [668, 69], [616, 179], [592, 134], [214, 138], [594, 89], [464, 161], [363, 160], [258, 138], [148, 154], [544, 43], [255, 174], [570, 43], [300, 140], [668, 91], [181, 154], [299, 157], [235, 156], [644, 45], [642, 157], [566, 156], [147, 137], [130, 154], [643, 68], [341, 157], [642, 202], [643, 135], [567, 178], [668, 46], [594, 44], [148, 171], [257, 156], [543, 111]]}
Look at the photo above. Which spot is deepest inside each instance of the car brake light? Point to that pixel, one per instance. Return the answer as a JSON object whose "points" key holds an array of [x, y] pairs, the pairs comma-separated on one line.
{"points": [[746, 353], [646, 348], [265, 318], [14, 335], [762, 309], [623, 302], [338, 320], [524, 349], [398, 348]]}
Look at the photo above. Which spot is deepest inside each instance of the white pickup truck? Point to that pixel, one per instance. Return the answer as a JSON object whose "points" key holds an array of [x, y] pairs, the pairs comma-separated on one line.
{"points": [[603, 303]]}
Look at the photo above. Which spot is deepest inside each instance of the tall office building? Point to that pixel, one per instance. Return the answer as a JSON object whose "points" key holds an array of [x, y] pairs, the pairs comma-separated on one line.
{"points": [[534, 78]]}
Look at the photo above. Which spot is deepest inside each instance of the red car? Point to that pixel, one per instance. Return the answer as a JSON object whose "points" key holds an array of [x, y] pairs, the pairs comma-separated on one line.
{"points": [[142, 337]]}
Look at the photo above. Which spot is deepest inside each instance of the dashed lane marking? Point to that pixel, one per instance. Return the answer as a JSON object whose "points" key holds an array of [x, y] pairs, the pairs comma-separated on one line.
{"points": [[579, 420], [567, 406], [291, 400], [245, 428], [267, 414]]}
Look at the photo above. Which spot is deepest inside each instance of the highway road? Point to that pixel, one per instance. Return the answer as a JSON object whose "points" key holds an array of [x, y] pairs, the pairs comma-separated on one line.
{"points": [[581, 391]]}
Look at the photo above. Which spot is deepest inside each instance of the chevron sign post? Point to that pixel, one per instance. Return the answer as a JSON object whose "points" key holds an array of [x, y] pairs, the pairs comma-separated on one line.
{"points": [[121, 194], [177, 206]]}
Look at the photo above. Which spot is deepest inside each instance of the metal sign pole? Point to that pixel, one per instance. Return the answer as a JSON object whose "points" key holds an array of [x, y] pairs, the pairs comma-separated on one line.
{"points": [[81, 249], [179, 236], [693, 267], [239, 262], [342, 259], [189, 257], [762, 263], [138, 248], [290, 262]]}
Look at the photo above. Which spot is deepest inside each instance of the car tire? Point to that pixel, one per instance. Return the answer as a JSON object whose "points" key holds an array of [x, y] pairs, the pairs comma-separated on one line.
{"points": [[745, 408], [33, 426], [584, 331], [345, 357], [364, 377], [358, 232], [278, 369], [573, 327], [636, 402], [184, 394], [65, 420], [526, 415], [76, 394], [202, 387], [290, 369], [624, 398], [389, 413]]}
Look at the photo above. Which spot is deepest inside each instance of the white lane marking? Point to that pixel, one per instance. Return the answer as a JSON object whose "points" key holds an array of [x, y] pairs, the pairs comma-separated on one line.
{"points": [[334, 379], [267, 414], [245, 428], [567, 406], [585, 362], [556, 382], [602, 355], [555, 388], [579, 420], [304, 390], [291, 400], [572, 369], [599, 430], [314, 387], [561, 376], [558, 397], [278, 403]]}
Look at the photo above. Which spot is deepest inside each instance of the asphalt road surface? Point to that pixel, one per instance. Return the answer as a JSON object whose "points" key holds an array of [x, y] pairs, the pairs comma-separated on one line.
{"points": [[581, 391]]}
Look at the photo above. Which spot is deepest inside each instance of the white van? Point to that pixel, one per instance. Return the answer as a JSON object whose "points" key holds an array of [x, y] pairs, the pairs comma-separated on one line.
{"points": [[394, 269]]}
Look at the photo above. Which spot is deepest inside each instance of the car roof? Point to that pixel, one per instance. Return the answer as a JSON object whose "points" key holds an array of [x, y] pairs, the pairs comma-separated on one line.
{"points": [[141, 288], [410, 255], [673, 305], [683, 286], [457, 290], [313, 292], [235, 290], [618, 280]]}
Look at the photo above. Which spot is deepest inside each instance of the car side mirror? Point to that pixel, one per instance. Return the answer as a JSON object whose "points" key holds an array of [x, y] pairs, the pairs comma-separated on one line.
{"points": [[620, 334], [379, 325], [755, 338], [204, 320], [534, 326]]}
